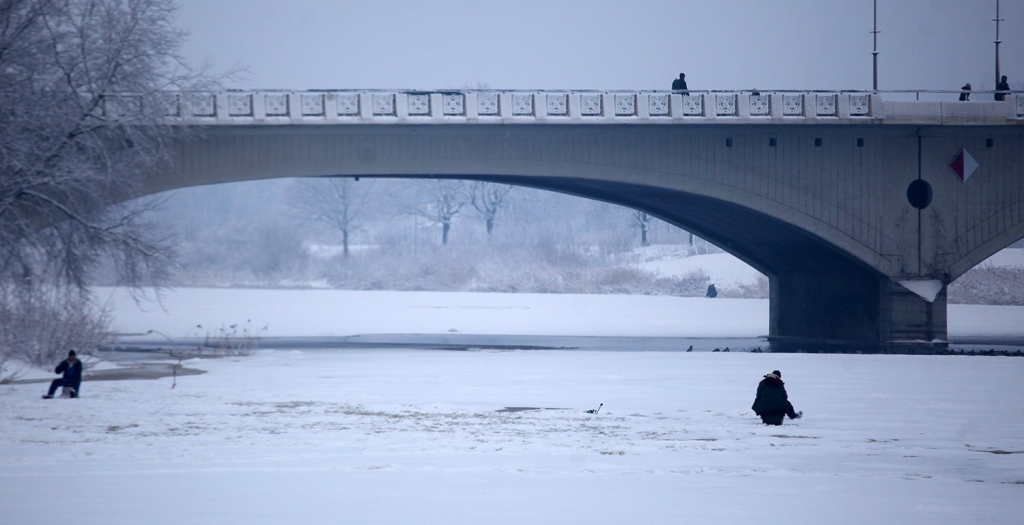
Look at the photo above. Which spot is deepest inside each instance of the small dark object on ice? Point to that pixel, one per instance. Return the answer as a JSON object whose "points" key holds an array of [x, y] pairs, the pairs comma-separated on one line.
{"points": [[592, 411], [690, 349]]}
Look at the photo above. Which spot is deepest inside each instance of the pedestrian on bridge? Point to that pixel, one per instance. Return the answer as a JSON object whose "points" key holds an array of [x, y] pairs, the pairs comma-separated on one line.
{"points": [[679, 84], [772, 402], [965, 92], [1002, 88]]}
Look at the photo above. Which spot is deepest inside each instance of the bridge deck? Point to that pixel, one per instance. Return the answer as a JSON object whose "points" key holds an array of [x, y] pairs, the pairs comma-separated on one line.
{"points": [[582, 107]]}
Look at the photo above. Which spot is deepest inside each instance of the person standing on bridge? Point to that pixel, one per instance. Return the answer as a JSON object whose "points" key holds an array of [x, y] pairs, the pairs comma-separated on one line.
{"points": [[772, 402], [679, 84], [965, 92], [1002, 88]]}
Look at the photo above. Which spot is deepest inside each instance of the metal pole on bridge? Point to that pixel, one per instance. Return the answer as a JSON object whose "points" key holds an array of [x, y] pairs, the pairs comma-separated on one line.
{"points": [[996, 20], [874, 52]]}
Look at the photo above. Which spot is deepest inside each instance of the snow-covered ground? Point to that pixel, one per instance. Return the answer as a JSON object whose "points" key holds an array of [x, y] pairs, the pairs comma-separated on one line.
{"points": [[723, 269], [726, 270], [419, 436]]}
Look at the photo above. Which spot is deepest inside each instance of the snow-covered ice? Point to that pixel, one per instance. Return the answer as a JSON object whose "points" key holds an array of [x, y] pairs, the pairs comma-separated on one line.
{"points": [[418, 436], [196, 312]]}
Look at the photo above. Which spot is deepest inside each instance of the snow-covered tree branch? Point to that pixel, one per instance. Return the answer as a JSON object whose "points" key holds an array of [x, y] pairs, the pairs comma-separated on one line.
{"points": [[81, 103]]}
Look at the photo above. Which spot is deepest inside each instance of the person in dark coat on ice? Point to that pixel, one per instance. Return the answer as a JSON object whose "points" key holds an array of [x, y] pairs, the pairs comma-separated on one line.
{"points": [[72, 370], [772, 403]]}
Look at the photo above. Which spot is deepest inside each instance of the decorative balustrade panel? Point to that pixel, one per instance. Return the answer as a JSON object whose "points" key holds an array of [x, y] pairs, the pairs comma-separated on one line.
{"points": [[276, 104], [760, 105], [860, 105], [558, 104], [591, 105], [240, 105], [348, 105], [454, 104], [419, 104], [312, 105], [658, 104], [488, 104], [302, 107], [826, 105], [725, 105]]}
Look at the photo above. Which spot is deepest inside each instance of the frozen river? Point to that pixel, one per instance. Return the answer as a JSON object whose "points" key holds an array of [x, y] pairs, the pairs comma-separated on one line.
{"points": [[352, 318], [398, 436]]}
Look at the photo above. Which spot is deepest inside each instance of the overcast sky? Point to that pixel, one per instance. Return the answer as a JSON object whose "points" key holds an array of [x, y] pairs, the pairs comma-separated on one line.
{"points": [[604, 44]]}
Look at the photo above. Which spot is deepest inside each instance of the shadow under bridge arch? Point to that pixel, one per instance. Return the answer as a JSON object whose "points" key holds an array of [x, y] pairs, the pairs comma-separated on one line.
{"points": [[818, 293]]}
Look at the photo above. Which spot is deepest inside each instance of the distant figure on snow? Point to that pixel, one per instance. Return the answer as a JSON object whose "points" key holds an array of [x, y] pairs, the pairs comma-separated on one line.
{"points": [[1002, 88], [72, 370], [772, 403], [965, 92], [679, 84], [712, 293]]}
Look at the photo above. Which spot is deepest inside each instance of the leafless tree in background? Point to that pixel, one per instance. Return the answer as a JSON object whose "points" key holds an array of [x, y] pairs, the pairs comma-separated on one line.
{"points": [[340, 203], [488, 198], [440, 201], [644, 220], [81, 108]]}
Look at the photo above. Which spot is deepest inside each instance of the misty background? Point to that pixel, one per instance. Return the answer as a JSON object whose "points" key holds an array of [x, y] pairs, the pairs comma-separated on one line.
{"points": [[270, 233], [290, 233]]}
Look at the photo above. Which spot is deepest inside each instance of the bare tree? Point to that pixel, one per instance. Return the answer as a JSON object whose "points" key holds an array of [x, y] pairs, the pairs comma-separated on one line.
{"points": [[644, 220], [82, 110], [439, 201], [340, 203], [488, 198], [81, 92]]}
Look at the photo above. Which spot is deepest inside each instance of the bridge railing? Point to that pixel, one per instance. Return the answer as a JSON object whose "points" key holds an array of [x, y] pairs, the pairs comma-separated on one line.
{"points": [[579, 107]]}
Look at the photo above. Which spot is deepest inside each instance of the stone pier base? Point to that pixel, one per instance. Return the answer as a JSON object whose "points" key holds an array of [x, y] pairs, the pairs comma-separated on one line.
{"points": [[853, 310]]}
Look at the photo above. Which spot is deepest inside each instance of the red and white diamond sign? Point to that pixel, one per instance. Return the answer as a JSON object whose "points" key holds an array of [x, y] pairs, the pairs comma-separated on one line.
{"points": [[963, 164]]}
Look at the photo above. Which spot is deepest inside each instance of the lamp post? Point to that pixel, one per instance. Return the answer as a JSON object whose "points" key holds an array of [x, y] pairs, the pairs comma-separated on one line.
{"points": [[997, 20], [874, 52]]}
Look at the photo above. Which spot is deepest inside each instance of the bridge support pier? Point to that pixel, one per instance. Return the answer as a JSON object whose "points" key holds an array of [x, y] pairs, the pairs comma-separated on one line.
{"points": [[852, 310]]}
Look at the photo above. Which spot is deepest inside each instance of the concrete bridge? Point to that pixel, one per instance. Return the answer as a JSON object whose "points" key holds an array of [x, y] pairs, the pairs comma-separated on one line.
{"points": [[847, 201]]}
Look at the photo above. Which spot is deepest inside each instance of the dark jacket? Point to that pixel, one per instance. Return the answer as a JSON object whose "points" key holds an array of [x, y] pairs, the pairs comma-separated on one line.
{"points": [[771, 397], [72, 372], [1002, 86]]}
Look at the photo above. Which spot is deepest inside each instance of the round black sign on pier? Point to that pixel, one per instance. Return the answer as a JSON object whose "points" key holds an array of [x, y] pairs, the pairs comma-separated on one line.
{"points": [[919, 194]]}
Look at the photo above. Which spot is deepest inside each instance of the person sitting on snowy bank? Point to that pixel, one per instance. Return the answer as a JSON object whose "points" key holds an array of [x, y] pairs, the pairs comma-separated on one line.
{"points": [[72, 370], [772, 403]]}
